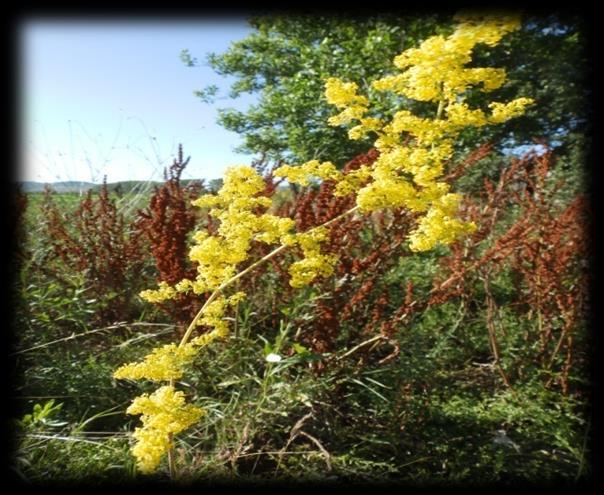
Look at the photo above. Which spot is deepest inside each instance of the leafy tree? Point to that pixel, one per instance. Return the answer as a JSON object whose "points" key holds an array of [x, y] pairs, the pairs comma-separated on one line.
{"points": [[546, 61], [286, 60]]}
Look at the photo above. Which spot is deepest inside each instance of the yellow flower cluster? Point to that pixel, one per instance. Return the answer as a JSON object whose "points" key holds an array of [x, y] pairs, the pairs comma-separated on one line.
{"points": [[353, 181], [314, 263], [164, 363], [217, 257], [500, 112], [168, 362], [235, 206], [345, 183], [213, 313], [436, 70], [344, 95], [162, 293], [439, 225], [164, 413], [414, 150], [302, 174]]}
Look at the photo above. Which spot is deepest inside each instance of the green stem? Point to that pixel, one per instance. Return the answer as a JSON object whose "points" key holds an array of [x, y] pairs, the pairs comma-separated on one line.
{"points": [[171, 463], [441, 102], [439, 111], [250, 268]]}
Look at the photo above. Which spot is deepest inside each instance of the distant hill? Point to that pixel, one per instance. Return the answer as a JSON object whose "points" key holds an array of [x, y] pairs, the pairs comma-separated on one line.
{"points": [[79, 186], [127, 186], [60, 187]]}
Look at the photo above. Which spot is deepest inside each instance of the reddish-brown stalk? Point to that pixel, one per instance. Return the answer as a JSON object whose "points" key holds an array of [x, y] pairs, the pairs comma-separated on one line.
{"points": [[167, 224]]}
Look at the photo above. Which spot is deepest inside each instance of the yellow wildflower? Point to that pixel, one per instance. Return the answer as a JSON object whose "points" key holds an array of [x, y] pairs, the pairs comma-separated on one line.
{"points": [[367, 125], [308, 269], [162, 293], [164, 413], [343, 94], [352, 181], [213, 316], [505, 111], [163, 363], [414, 150], [413, 154], [303, 173], [236, 298], [314, 264], [460, 115], [439, 225]]}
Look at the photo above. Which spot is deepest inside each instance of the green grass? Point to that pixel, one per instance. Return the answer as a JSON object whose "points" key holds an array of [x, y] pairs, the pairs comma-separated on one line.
{"points": [[429, 417]]}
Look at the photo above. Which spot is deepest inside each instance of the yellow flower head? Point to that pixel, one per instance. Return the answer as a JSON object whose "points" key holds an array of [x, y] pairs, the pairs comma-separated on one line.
{"points": [[414, 150], [314, 263], [162, 364], [164, 413], [303, 173]]}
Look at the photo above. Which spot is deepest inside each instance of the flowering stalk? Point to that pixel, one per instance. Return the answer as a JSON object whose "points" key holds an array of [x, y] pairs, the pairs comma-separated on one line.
{"points": [[413, 153], [250, 268]]}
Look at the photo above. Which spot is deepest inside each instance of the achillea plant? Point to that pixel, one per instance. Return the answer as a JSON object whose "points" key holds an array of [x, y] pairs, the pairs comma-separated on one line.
{"points": [[407, 174]]}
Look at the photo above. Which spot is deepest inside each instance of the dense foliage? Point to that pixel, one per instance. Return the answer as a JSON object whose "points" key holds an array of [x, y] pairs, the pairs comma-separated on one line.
{"points": [[286, 57]]}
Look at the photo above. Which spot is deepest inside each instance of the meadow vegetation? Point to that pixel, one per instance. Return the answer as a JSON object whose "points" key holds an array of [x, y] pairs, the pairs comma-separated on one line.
{"points": [[461, 357]]}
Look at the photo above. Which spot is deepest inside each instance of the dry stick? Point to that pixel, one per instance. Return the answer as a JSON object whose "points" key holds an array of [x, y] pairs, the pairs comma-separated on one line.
{"points": [[321, 448], [543, 337], [171, 463], [69, 439], [84, 334], [240, 446], [268, 452], [563, 335], [492, 335], [557, 348], [292, 435], [567, 364], [362, 344]]}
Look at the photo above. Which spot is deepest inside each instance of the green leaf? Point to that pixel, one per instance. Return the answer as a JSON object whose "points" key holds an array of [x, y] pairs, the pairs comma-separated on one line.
{"points": [[300, 349]]}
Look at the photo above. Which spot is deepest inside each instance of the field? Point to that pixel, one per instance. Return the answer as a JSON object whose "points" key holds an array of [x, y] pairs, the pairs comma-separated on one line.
{"points": [[466, 364]]}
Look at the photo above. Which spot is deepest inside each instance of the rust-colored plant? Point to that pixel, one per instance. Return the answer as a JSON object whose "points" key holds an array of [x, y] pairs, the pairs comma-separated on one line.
{"points": [[543, 247], [167, 223], [17, 228], [98, 243], [522, 229]]}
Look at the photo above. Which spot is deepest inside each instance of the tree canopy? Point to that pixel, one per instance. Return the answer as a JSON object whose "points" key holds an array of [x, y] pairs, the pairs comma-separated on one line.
{"points": [[287, 59]]}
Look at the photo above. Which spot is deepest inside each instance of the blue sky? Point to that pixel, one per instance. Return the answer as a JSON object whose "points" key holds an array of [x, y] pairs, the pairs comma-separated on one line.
{"points": [[114, 98]]}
